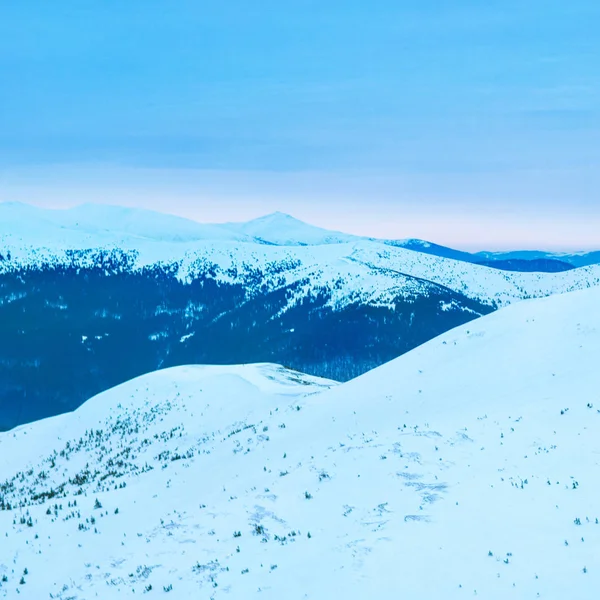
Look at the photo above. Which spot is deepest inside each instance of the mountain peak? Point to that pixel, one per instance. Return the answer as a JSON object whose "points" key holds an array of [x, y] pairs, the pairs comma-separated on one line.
{"points": [[277, 217], [283, 229]]}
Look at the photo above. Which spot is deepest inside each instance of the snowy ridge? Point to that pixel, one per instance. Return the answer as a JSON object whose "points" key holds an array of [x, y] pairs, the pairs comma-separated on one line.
{"points": [[253, 382], [350, 268], [357, 272], [467, 467], [103, 226], [95, 225]]}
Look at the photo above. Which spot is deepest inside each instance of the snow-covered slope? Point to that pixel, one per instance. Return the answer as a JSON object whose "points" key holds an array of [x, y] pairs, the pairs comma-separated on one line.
{"points": [[356, 272], [376, 274], [468, 467], [174, 292]]}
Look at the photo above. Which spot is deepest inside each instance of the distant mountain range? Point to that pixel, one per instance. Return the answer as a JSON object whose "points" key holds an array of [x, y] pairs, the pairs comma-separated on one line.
{"points": [[94, 296], [90, 225]]}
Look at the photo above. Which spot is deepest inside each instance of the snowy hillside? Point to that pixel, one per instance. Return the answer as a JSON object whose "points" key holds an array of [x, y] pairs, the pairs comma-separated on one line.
{"points": [[366, 271], [468, 467]]}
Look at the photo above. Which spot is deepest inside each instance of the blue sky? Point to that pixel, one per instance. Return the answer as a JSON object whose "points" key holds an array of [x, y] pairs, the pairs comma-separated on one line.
{"points": [[471, 123]]}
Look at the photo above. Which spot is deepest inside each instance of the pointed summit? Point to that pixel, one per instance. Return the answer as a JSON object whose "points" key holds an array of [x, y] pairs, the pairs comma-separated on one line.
{"points": [[282, 229], [277, 215]]}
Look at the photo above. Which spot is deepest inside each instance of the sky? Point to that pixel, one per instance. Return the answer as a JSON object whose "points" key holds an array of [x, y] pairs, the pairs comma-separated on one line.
{"points": [[474, 124]]}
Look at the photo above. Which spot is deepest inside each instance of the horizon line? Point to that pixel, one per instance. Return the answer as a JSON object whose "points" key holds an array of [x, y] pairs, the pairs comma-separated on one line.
{"points": [[486, 249]]}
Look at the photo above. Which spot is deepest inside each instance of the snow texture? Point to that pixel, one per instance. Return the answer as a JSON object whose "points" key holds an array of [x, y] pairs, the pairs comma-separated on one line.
{"points": [[467, 467]]}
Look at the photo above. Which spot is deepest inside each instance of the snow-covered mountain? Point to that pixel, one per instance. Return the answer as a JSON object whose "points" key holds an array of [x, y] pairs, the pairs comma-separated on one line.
{"points": [[281, 229], [30, 238], [91, 225], [78, 287], [576, 259], [365, 271], [467, 467], [99, 225]]}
